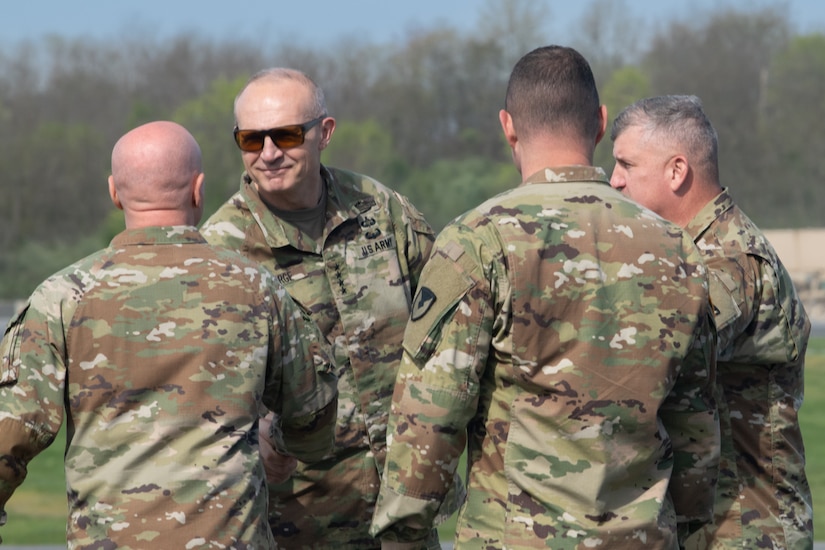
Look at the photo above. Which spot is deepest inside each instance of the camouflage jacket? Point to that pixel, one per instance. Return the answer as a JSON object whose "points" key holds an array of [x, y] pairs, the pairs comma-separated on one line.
{"points": [[763, 493], [160, 349], [358, 285], [563, 332]]}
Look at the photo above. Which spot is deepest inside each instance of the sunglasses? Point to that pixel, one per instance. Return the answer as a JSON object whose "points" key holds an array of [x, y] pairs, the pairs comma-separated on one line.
{"points": [[284, 137]]}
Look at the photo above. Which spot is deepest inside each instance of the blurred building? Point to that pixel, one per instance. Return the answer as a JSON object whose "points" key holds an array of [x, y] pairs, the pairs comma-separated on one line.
{"points": [[803, 253]]}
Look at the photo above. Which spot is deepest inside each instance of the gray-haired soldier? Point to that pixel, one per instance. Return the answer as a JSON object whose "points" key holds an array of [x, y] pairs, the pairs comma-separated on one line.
{"points": [[666, 152]]}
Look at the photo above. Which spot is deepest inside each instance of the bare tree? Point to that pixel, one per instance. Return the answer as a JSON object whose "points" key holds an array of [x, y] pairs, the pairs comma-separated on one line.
{"points": [[722, 60], [517, 26]]}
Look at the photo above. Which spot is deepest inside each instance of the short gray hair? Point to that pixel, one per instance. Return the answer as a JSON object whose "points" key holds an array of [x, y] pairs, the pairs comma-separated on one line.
{"points": [[319, 106], [679, 119]]}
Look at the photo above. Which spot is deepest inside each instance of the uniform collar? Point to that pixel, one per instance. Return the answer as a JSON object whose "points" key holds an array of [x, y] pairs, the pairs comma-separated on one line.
{"points": [[170, 234], [710, 212], [562, 174]]}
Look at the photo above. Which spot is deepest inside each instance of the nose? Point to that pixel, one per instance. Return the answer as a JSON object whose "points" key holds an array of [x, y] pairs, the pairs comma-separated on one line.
{"points": [[616, 181], [270, 150]]}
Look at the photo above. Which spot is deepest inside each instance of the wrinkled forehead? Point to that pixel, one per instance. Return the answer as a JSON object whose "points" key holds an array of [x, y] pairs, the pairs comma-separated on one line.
{"points": [[645, 136], [269, 104]]}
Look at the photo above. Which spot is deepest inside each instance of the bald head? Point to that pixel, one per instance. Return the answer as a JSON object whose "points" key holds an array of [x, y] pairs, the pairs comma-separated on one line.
{"points": [[303, 89], [157, 176]]}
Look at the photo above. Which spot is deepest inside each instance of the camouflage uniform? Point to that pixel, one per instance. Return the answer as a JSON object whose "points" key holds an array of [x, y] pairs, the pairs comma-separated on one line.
{"points": [[568, 331], [160, 349], [763, 493], [358, 285]]}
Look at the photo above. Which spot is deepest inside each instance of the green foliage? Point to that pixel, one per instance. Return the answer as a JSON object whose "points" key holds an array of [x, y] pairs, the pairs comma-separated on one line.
{"points": [[143, 112], [43, 199], [112, 224], [368, 146], [724, 59], [624, 87], [210, 119], [793, 155], [32, 262], [449, 188]]}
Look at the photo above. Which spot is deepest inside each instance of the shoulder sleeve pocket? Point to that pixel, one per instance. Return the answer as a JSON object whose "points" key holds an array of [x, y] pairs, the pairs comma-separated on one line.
{"points": [[10, 349], [725, 309], [444, 283]]}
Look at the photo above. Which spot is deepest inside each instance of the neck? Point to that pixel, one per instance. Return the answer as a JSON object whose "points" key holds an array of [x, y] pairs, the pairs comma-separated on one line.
{"points": [[692, 201], [540, 154], [306, 195], [158, 218]]}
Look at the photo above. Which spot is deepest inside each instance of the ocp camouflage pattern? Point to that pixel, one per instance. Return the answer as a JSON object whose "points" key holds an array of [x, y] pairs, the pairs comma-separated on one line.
{"points": [[764, 500], [563, 332], [357, 283], [162, 351]]}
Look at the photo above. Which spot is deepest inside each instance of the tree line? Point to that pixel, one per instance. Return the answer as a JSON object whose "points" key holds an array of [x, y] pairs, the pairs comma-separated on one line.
{"points": [[419, 114]]}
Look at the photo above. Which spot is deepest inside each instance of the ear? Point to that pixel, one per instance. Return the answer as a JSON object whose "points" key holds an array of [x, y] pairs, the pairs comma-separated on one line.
{"points": [[507, 127], [113, 193], [198, 191], [677, 170], [327, 129], [197, 198], [602, 123]]}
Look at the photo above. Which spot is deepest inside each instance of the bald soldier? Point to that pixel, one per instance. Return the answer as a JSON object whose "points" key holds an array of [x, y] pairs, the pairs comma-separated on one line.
{"points": [[161, 351], [562, 334]]}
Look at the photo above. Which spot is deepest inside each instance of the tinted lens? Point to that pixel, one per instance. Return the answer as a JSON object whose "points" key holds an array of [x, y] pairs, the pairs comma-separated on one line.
{"points": [[283, 138], [250, 140], [288, 136]]}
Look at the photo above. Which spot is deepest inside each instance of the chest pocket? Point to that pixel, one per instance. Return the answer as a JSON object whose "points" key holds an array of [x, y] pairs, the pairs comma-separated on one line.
{"points": [[10, 350]]}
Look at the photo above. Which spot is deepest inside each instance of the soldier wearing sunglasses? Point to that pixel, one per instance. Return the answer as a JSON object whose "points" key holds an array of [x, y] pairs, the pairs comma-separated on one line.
{"points": [[349, 250]]}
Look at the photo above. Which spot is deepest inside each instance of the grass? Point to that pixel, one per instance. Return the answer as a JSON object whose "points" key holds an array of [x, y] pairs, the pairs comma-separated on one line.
{"points": [[812, 420], [37, 511]]}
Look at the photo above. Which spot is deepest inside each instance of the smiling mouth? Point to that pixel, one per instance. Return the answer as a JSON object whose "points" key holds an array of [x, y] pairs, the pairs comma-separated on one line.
{"points": [[275, 171]]}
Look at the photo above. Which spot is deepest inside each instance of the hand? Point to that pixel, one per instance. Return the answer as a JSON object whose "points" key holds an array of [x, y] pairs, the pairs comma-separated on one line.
{"points": [[277, 466]]}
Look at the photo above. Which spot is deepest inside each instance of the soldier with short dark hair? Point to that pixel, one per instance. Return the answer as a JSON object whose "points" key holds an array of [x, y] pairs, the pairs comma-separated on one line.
{"points": [[666, 152], [561, 334], [161, 351]]}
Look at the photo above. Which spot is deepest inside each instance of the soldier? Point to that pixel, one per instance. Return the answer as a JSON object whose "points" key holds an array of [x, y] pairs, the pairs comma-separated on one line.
{"points": [[161, 350], [349, 250], [562, 333], [667, 159]]}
